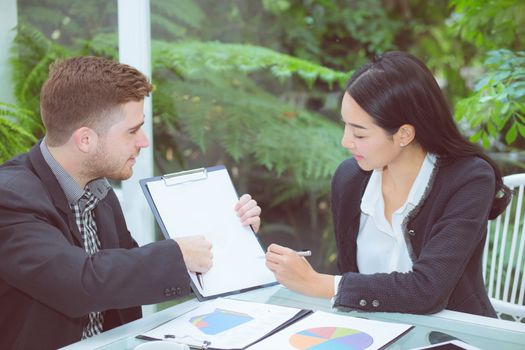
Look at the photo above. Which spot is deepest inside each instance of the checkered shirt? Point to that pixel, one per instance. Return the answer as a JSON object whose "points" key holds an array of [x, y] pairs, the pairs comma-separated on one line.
{"points": [[85, 220]]}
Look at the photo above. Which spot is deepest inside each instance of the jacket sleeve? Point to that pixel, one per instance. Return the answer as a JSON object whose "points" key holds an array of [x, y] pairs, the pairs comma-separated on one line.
{"points": [[37, 258], [459, 212]]}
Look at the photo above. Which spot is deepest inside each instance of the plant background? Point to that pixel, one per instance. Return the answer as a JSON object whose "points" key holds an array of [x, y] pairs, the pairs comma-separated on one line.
{"points": [[256, 86]]}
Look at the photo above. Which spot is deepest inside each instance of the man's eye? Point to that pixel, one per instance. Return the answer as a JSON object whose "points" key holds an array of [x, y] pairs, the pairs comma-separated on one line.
{"points": [[358, 137]]}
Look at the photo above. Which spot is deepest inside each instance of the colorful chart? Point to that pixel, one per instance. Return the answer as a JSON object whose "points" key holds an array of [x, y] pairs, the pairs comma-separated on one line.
{"points": [[219, 321], [331, 338]]}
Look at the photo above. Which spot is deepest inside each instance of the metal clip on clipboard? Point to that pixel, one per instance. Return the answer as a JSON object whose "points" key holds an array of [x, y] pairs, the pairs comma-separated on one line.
{"points": [[189, 341], [182, 177], [193, 344]]}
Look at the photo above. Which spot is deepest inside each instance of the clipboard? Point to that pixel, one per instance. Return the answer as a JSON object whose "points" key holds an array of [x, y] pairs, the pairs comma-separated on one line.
{"points": [[201, 202]]}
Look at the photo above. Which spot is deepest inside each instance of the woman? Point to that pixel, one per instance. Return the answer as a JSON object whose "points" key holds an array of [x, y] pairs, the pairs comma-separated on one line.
{"points": [[410, 209]]}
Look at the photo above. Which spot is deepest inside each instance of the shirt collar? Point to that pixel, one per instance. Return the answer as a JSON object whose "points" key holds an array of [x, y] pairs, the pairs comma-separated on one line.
{"points": [[372, 193], [72, 190]]}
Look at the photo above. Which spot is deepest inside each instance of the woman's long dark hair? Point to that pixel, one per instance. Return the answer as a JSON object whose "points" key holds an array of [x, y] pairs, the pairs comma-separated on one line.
{"points": [[396, 88]]}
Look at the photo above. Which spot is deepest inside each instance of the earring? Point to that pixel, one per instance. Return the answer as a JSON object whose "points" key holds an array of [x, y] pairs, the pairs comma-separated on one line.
{"points": [[402, 144]]}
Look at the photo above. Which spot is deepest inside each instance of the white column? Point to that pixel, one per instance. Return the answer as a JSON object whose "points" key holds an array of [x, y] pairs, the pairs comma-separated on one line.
{"points": [[134, 37], [8, 20], [134, 49]]}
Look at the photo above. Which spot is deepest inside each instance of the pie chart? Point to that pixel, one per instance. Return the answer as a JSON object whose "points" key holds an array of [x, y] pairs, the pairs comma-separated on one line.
{"points": [[331, 338]]}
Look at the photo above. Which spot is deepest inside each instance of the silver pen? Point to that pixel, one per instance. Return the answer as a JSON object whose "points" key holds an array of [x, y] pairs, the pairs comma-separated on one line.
{"points": [[298, 252], [304, 253]]}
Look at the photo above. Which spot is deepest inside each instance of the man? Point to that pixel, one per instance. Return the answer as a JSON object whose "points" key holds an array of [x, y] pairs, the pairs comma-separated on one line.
{"points": [[69, 268]]}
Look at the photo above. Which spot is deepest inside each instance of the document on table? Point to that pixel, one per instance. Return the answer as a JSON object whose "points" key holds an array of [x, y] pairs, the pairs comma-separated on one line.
{"points": [[225, 324], [234, 324], [323, 330], [201, 202]]}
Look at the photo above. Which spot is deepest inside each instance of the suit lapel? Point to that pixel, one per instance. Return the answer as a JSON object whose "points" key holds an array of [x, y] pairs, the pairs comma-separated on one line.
{"points": [[106, 228], [55, 191]]}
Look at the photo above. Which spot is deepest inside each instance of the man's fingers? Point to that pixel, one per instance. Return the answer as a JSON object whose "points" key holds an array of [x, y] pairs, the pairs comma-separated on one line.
{"points": [[249, 207], [255, 222], [245, 198], [251, 220], [197, 253], [254, 211]]}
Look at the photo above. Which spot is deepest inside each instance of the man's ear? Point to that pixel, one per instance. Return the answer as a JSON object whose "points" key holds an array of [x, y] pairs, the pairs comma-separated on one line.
{"points": [[85, 139], [406, 134]]}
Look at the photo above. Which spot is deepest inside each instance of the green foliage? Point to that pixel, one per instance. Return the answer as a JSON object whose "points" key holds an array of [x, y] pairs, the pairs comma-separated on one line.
{"points": [[494, 113], [14, 137], [171, 20], [498, 103], [249, 123], [32, 55], [67, 21], [193, 59], [490, 24], [324, 31]]}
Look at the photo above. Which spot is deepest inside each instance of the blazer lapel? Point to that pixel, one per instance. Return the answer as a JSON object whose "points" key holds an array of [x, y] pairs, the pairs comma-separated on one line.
{"points": [[55, 191], [106, 228]]}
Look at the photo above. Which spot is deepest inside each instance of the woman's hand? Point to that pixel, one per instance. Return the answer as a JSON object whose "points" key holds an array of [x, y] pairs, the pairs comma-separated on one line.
{"points": [[249, 212], [296, 273]]}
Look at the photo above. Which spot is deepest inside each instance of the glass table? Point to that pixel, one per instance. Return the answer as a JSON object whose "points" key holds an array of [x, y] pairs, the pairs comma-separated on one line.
{"points": [[482, 332]]}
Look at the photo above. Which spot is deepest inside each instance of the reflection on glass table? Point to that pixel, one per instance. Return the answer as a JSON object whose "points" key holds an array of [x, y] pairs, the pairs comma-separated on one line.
{"points": [[482, 332]]}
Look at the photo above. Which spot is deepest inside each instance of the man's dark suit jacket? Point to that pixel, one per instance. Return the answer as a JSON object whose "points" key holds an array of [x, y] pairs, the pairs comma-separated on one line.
{"points": [[48, 283]]}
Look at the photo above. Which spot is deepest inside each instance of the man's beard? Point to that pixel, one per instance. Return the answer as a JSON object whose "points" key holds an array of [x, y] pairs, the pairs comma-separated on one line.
{"points": [[102, 165]]}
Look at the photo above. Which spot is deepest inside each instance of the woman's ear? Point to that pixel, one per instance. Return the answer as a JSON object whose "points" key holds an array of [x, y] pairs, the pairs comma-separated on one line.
{"points": [[406, 134]]}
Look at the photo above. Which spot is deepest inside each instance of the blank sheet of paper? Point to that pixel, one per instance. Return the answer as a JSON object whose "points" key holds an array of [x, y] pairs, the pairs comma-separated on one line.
{"points": [[206, 207]]}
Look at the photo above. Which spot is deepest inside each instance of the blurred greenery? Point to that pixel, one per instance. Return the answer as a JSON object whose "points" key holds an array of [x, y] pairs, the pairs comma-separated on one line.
{"points": [[256, 86], [15, 124]]}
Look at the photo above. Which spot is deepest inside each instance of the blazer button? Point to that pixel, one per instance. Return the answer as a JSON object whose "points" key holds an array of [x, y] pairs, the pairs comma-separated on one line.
{"points": [[178, 291], [375, 303], [412, 232], [362, 302], [167, 292]]}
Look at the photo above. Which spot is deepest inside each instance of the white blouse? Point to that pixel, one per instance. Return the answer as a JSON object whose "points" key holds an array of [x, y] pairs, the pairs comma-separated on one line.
{"points": [[381, 247]]}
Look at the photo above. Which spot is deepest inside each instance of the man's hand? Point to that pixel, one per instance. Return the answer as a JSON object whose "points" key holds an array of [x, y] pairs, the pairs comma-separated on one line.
{"points": [[248, 211], [196, 251]]}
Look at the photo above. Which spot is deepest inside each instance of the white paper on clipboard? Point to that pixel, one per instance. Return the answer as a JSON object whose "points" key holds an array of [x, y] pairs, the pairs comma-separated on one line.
{"points": [[193, 204]]}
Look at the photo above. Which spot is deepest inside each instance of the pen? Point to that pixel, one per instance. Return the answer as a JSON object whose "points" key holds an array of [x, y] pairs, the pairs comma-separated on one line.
{"points": [[199, 278], [299, 252], [304, 253]]}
